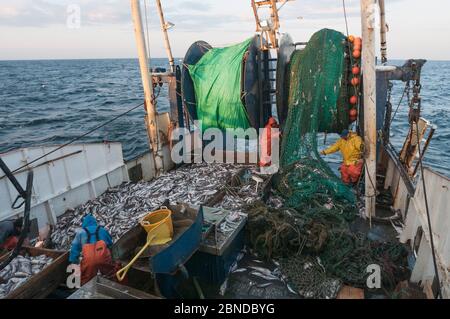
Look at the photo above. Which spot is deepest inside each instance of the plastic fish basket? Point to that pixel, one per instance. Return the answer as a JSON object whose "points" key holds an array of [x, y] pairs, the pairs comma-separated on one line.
{"points": [[159, 222]]}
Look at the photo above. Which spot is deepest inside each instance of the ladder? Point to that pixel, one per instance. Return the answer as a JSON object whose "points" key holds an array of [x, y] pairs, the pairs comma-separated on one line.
{"points": [[267, 84]]}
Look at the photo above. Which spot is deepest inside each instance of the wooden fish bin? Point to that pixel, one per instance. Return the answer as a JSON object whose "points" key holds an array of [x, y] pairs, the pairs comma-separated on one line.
{"points": [[102, 288], [216, 254], [45, 282]]}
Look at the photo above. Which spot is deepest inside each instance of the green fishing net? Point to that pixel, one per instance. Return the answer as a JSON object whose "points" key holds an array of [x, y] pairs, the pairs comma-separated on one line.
{"points": [[318, 209], [317, 103], [217, 84]]}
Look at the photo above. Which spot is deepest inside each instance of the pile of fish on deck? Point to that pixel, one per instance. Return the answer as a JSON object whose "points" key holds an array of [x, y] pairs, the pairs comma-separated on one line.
{"points": [[120, 208], [19, 270]]}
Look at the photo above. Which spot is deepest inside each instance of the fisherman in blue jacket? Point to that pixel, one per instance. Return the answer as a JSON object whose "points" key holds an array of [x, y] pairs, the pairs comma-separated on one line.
{"points": [[93, 243]]}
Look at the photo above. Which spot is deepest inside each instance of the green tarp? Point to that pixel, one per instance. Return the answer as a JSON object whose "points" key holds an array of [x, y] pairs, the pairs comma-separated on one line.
{"points": [[217, 84]]}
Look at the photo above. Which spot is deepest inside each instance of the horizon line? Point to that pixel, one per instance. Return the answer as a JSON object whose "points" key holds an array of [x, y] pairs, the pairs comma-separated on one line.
{"points": [[176, 58]]}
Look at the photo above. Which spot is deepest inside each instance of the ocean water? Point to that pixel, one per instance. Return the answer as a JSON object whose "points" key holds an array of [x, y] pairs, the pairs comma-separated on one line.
{"points": [[53, 101]]}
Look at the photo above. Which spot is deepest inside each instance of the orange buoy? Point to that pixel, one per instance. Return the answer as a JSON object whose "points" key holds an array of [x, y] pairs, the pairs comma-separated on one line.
{"points": [[353, 119], [355, 81], [356, 54], [351, 38], [356, 70], [353, 100], [353, 113], [357, 44]]}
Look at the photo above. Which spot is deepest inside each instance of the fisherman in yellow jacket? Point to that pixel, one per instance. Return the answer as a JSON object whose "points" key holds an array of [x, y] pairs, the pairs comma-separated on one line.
{"points": [[352, 148]]}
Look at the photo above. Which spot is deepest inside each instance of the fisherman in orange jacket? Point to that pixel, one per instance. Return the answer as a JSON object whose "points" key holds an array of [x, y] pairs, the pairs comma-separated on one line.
{"points": [[352, 147], [9, 233], [265, 142]]}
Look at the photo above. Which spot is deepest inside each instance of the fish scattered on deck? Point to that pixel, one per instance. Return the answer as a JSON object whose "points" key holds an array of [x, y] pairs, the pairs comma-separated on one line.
{"points": [[120, 208]]}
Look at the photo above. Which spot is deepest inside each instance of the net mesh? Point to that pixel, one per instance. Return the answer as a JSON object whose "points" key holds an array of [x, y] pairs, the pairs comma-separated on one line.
{"points": [[317, 103], [318, 209]]}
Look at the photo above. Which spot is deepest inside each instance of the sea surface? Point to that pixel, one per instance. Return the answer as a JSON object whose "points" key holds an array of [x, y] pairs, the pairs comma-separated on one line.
{"points": [[54, 101]]}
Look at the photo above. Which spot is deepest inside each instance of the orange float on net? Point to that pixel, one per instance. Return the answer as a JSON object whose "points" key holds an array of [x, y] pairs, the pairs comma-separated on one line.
{"points": [[353, 113], [356, 70], [355, 81], [357, 44], [353, 100], [356, 54]]}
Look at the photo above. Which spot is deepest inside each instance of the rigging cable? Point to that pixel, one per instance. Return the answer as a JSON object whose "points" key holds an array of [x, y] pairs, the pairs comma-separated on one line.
{"points": [[399, 103], [80, 137], [428, 213], [345, 16], [147, 45]]}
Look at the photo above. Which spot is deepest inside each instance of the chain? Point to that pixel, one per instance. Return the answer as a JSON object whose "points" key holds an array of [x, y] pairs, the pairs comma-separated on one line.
{"points": [[388, 116], [416, 101]]}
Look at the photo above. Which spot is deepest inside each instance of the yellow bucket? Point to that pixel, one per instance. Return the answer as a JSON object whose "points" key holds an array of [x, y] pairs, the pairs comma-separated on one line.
{"points": [[159, 223]]}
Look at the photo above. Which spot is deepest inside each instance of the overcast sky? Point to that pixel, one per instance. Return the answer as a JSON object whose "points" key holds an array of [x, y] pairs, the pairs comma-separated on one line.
{"points": [[44, 29]]}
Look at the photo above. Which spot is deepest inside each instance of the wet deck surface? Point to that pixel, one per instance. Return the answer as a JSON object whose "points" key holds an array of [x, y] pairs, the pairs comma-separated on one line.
{"points": [[249, 284]]}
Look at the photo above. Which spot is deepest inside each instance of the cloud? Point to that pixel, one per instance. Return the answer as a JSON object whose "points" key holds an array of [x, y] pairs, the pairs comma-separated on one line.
{"points": [[195, 6], [30, 13], [325, 9]]}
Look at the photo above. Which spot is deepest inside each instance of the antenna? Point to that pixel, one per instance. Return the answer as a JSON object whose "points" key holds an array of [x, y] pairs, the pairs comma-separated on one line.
{"points": [[164, 27]]}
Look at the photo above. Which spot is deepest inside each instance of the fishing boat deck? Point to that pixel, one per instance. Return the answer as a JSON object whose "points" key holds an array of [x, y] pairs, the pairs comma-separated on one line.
{"points": [[249, 276]]}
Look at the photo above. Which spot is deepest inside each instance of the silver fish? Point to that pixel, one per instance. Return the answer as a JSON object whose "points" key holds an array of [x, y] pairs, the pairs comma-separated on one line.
{"points": [[239, 270], [19, 270], [291, 290], [233, 267], [262, 270], [266, 277], [223, 287]]}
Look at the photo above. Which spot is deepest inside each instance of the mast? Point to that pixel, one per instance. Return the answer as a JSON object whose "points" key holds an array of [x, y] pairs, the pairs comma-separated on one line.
{"points": [[151, 116], [383, 31], [164, 28], [370, 122]]}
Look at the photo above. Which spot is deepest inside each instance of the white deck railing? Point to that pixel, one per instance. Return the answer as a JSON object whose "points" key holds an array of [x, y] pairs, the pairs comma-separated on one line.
{"points": [[62, 180]]}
